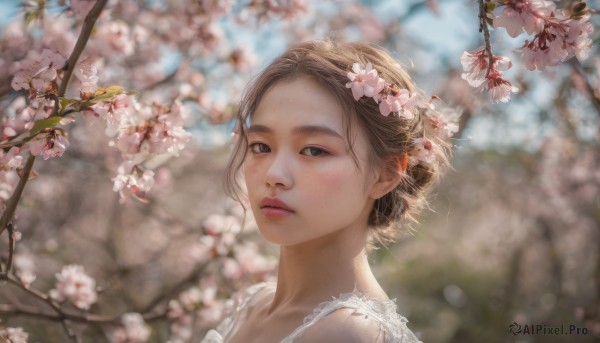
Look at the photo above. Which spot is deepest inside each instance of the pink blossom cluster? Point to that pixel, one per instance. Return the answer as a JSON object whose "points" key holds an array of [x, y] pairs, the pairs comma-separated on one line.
{"points": [[134, 179], [38, 73], [366, 82], [220, 237], [480, 74], [87, 74], [13, 335], [21, 117], [134, 329], [263, 9], [440, 125], [18, 141], [199, 301], [75, 286], [141, 133], [561, 38], [524, 14], [557, 35], [179, 314], [52, 143]]}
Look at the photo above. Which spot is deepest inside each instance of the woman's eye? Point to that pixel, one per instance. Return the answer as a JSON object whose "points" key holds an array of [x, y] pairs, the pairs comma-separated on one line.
{"points": [[258, 148], [312, 151]]}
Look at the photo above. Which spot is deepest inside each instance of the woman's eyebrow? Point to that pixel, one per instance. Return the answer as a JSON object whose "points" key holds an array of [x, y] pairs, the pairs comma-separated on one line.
{"points": [[298, 130]]}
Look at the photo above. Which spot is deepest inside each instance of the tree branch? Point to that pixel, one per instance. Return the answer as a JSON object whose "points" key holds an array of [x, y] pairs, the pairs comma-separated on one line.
{"points": [[576, 67], [483, 26], [11, 206], [86, 31]]}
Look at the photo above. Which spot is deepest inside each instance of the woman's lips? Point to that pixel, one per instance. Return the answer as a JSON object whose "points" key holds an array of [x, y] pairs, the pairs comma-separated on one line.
{"points": [[275, 213], [274, 208]]}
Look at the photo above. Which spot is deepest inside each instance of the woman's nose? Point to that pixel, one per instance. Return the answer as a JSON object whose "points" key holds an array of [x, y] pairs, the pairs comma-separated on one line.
{"points": [[279, 173]]}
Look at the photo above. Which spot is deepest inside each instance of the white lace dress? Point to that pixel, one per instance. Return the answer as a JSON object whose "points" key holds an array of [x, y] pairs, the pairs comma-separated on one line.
{"points": [[391, 323]]}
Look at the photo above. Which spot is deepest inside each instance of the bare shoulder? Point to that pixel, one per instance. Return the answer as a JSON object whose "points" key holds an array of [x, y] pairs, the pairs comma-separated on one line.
{"points": [[346, 325]]}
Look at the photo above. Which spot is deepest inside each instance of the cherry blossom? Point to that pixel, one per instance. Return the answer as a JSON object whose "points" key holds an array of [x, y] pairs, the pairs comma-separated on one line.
{"points": [[562, 38], [398, 100], [263, 9], [115, 111], [191, 298], [50, 144], [115, 37], [499, 88], [444, 124], [134, 329], [215, 8], [478, 73], [8, 182], [252, 260], [38, 72], [216, 224], [133, 178], [14, 335], [11, 159], [74, 285], [364, 82], [476, 66], [17, 235], [87, 72], [25, 268], [425, 150], [523, 14], [21, 117]]}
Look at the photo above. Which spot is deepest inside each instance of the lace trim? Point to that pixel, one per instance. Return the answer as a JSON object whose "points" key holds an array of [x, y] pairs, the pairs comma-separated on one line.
{"points": [[390, 322], [383, 310]]}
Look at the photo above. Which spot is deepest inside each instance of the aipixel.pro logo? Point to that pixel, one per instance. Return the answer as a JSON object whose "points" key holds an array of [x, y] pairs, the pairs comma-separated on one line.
{"points": [[542, 329]]}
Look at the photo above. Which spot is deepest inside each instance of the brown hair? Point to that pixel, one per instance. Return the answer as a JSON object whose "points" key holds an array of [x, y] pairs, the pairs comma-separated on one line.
{"points": [[390, 137]]}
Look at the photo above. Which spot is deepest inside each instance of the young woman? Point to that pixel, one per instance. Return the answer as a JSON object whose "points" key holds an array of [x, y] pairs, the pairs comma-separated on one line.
{"points": [[336, 146]]}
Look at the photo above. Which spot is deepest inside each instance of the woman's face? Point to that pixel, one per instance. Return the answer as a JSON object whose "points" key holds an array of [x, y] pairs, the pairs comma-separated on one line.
{"points": [[299, 155]]}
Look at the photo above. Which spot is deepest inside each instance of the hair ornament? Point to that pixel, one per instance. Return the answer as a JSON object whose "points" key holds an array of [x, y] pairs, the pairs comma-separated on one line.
{"points": [[439, 125]]}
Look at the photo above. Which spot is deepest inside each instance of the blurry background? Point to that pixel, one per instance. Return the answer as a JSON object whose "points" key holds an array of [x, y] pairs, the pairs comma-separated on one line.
{"points": [[514, 230]]}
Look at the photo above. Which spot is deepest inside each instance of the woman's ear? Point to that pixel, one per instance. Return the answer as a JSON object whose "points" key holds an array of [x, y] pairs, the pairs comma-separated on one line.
{"points": [[389, 177]]}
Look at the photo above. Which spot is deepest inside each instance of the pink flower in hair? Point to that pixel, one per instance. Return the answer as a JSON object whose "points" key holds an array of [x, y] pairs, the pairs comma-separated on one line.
{"points": [[365, 82], [399, 100], [424, 148]]}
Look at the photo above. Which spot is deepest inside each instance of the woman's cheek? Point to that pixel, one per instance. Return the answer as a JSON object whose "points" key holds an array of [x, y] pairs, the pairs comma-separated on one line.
{"points": [[332, 179], [251, 172]]}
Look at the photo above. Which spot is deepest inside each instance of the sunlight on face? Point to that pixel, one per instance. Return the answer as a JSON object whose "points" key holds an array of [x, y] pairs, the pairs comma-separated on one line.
{"points": [[298, 154]]}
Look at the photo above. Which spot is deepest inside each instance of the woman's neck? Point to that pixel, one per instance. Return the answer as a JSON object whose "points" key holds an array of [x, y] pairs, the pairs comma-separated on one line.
{"points": [[313, 272]]}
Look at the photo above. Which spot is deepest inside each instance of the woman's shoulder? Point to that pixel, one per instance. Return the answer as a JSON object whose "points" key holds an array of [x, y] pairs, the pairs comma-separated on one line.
{"points": [[354, 317]]}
